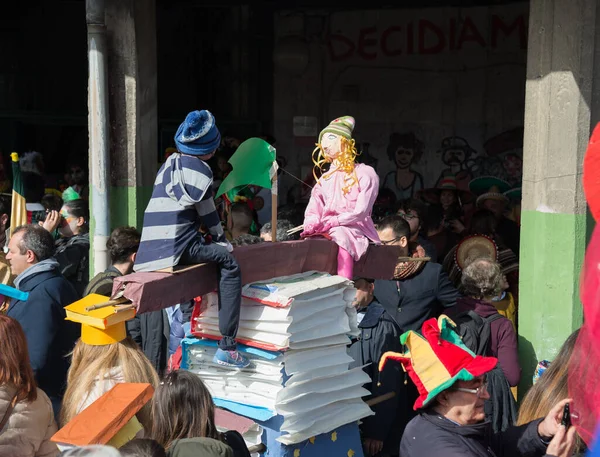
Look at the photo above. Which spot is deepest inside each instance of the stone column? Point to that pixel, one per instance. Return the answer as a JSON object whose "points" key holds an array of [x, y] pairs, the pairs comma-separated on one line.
{"points": [[554, 220], [133, 104]]}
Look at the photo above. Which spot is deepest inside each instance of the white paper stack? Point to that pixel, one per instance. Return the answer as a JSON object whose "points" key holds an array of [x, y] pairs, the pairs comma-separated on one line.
{"points": [[256, 385], [307, 318]]}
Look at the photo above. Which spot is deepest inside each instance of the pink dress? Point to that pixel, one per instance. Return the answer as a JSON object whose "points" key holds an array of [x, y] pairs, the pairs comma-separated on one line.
{"points": [[346, 218]]}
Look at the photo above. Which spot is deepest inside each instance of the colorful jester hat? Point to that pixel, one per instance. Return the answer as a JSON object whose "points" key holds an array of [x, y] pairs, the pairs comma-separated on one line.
{"points": [[437, 359]]}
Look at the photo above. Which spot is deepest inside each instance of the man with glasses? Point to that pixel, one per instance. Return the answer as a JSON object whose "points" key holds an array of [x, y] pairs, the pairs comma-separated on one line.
{"points": [[413, 211], [452, 392], [420, 289]]}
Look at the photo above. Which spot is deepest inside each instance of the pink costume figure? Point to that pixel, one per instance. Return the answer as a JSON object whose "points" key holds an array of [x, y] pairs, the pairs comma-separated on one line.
{"points": [[341, 202]]}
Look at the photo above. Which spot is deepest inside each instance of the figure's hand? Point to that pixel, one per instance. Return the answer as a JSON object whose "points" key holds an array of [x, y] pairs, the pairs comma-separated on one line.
{"points": [[52, 221], [373, 447], [563, 443], [331, 223], [311, 228], [551, 423]]}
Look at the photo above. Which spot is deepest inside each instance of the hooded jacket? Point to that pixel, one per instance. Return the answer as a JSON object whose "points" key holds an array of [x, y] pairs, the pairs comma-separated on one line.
{"points": [[50, 337], [29, 428], [429, 434]]}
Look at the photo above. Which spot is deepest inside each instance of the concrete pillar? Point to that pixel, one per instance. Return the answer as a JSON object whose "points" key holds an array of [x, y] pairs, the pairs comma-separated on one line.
{"points": [[554, 220], [133, 104]]}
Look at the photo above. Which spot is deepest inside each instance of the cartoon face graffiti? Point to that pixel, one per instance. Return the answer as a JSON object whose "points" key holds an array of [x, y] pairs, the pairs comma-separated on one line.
{"points": [[403, 157], [404, 149], [455, 152]]}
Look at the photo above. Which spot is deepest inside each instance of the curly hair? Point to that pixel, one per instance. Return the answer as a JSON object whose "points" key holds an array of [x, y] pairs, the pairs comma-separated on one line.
{"points": [[405, 141], [346, 159], [482, 278]]}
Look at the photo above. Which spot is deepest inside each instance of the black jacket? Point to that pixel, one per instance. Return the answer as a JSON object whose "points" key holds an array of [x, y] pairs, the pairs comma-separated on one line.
{"points": [[151, 332], [73, 255], [432, 435], [50, 337], [379, 334], [412, 301]]}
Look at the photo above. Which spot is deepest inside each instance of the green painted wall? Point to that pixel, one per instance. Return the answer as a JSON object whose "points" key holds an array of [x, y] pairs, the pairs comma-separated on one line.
{"points": [[127, 206], [552, 252]]}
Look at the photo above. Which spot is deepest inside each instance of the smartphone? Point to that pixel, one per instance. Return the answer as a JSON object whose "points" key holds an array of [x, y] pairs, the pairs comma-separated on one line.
{"points": [[566, 417]]}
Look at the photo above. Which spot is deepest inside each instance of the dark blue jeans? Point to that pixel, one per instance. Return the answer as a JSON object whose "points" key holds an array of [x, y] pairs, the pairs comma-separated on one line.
{"points": [[229, 286]]}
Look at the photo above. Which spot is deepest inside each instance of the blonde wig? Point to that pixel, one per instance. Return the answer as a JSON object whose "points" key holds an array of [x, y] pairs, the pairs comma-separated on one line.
{"points": [[346, 160], [91, 364]]}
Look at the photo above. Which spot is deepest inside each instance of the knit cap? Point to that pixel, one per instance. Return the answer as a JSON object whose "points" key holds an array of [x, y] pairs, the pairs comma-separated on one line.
{"points": [[342, 126], [198, 134]]}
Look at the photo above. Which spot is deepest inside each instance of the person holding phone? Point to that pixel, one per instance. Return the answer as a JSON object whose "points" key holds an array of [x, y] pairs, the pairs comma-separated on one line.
{"points": [[452, 387]]}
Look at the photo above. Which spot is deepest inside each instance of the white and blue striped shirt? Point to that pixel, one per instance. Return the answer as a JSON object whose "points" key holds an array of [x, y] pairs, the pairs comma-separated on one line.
{"points": [[182, 199]]}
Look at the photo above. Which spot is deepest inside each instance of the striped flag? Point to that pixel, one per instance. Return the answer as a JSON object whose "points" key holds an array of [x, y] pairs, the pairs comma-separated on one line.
{"points": [[18, 215]]}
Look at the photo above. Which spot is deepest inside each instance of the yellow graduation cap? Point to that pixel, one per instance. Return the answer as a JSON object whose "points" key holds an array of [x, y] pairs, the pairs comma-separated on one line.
{"points": [[102, 320]]}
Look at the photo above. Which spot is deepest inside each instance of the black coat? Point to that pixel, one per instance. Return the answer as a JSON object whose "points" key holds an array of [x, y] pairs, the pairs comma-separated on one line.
{"points": [[151, 332], [379, 334], [432, 435], [73, 255], [50, 337], [412, 301]]}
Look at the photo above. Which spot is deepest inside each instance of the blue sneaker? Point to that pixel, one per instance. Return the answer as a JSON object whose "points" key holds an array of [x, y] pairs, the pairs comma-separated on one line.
{"points": [[231, 359]]}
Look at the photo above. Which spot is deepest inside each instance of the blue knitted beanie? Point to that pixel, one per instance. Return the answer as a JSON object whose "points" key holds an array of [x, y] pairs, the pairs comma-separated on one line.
{"points": [[198, 134]]}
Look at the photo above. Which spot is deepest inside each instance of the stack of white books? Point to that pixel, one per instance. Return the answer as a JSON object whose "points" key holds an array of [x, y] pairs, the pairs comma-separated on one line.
{"points": [[300, 327]]}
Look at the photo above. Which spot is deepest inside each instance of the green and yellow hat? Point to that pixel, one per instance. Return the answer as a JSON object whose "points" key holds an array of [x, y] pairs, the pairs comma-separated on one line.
{"points": [[342, 126], [437, 359]]}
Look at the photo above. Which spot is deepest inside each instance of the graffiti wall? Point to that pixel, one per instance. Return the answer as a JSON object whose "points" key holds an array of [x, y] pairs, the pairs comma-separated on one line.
{"points": [[434, 92]]}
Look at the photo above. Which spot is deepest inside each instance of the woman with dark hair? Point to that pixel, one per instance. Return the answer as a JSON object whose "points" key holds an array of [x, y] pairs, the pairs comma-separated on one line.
{"points": [[173, 419], [26, 416], [404, 150], [72, 248]]}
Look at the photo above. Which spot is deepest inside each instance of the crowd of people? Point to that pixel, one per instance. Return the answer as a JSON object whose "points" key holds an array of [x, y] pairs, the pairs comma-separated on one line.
{"points": [[457, 284]]}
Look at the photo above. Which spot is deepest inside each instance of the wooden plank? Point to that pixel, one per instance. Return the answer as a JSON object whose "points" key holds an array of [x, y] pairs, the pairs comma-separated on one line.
{"points": [[258, 262]]}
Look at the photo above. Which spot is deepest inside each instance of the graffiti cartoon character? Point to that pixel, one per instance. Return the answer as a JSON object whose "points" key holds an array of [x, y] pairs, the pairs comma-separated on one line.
{"points": [[457, 155], [504, 157], [404, 150]]}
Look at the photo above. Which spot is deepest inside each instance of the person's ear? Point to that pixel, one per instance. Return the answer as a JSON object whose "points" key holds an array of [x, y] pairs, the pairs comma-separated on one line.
{"points": [[403, 242], [80, 222], [371, 288], [442, 399], [132, 257], [4, 219], [30, 256]]}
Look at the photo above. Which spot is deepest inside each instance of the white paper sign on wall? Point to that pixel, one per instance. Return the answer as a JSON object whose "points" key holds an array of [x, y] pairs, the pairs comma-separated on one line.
{"points": [[305, 126]]}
